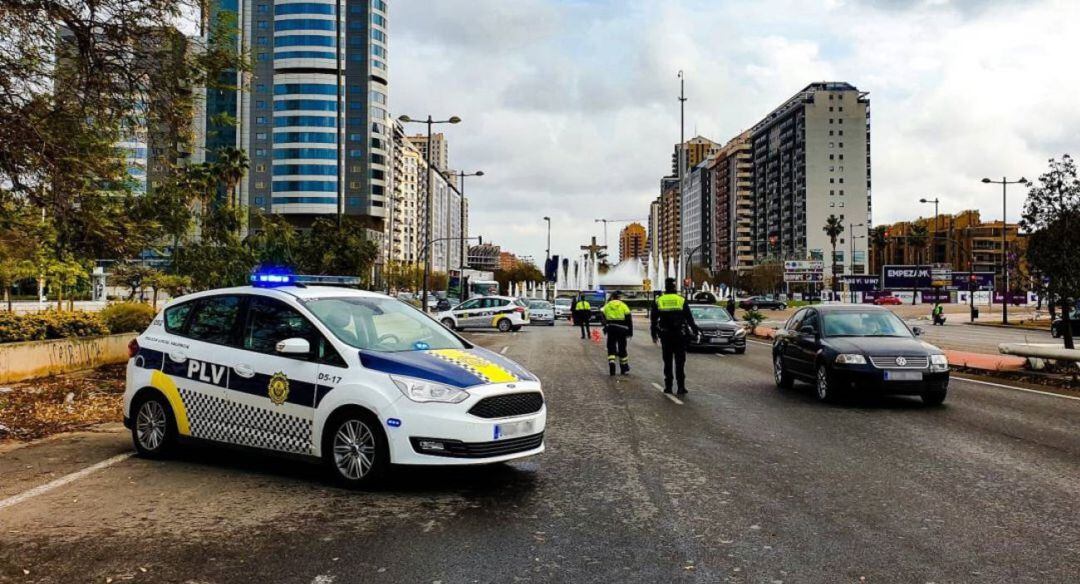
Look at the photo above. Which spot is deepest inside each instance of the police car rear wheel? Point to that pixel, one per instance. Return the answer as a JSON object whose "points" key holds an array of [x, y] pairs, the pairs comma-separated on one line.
{"points": [[153, 431], [504, 325], [448, 323], [356, 450]]}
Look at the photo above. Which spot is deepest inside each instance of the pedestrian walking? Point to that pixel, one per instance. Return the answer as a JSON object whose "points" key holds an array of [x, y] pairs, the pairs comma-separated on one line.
{"points": [[618, 326], [581, 313], [731, 306], [669, 324]]}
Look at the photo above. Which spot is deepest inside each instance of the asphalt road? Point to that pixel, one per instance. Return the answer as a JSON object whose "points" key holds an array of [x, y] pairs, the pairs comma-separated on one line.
{"points": [[739, 483]]}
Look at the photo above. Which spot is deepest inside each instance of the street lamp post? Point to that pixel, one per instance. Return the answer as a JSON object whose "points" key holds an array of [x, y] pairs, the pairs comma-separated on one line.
{"points": [[428, 207], [1004, 182], [461, 226], [547, 256], [937, 227]]}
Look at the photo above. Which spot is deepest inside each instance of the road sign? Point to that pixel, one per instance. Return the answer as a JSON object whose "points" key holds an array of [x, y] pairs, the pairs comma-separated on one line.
{"points": [[804, 266], [941, 276], [803, 276]]}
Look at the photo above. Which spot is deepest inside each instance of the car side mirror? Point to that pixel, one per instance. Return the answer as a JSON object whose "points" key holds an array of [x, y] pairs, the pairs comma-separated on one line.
{"points": [[916, 330], [294, 346], [807, 330]]}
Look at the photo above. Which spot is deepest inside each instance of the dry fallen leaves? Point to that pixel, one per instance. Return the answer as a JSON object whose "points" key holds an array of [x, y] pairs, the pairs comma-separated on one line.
{"points": [[37, 408]]}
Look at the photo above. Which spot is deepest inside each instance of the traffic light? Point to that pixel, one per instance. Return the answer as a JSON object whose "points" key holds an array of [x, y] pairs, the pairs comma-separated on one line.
{"points": [[888, 233]]}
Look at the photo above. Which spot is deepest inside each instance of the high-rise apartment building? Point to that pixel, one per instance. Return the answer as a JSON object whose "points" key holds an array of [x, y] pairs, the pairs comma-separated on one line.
{"points": [[403, 226], [697, 148], [811, 159], [733, 205], [962, 241], [440, 149], [632, 242], [696, 216], [652, 243], [484, 257], [668, 219], [312, 112]]}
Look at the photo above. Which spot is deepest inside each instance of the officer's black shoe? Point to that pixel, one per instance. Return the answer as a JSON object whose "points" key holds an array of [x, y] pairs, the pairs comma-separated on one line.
{"points": [[667, 390], [611, 369], [625, 370], [682, 391]]}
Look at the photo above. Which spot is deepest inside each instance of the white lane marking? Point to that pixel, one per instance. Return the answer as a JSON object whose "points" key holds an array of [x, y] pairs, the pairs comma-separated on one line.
{"points": [[503, 351], [16, 499], [667, 395], [1003, 386], [322, 579], [720, 354], [758, 342]]}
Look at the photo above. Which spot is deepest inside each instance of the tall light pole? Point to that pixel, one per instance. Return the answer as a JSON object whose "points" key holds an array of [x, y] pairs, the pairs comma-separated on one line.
{"points": [[936, 226], [681, 149], [461, 182], [547, 252], [1004, 182], [606, 221], [428, 207]]}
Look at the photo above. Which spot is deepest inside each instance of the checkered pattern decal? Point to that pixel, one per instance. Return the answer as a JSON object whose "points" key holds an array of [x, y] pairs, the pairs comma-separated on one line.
{"points": [[214, 418]]}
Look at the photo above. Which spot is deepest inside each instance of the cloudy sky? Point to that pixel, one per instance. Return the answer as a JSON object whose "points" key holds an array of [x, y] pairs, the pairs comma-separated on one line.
{"points": [[569, 106]]}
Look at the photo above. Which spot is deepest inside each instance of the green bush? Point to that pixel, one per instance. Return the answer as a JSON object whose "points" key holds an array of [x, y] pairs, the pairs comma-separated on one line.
{"points": [[127, 317], [76, 323], [50, 324], [753, 318], [16, 328]]}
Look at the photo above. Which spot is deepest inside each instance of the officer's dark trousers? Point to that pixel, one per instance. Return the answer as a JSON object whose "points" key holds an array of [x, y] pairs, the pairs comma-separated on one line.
{"points": [[674, 348], [583, 322], [616, 350]]}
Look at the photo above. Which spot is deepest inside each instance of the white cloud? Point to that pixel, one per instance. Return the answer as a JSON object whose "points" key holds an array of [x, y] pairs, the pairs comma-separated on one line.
{"points": [[569, 105]]}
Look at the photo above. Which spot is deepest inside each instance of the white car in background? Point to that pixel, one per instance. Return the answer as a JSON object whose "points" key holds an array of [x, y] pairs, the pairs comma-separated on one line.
{"points": [[563, 307], [541, 312], [499, 312]]}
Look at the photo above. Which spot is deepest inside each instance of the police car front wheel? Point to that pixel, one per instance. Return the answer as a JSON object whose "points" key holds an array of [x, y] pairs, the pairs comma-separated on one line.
{"points": [[355, 449], [154, 429]]}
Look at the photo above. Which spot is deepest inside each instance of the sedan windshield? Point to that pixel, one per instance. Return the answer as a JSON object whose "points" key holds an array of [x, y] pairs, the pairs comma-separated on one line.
{"points": [[562, 302], [539, 305], [381, 324], [710, 313], [857, 323]]}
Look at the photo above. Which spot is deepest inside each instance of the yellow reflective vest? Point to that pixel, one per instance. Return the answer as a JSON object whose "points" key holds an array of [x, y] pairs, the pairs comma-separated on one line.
{"points": [[615, 310], [670, 302], [582, 305]]}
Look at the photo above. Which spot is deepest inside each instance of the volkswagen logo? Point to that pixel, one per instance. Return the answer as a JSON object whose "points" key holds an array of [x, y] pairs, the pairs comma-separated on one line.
{"points": [[901, 361]]}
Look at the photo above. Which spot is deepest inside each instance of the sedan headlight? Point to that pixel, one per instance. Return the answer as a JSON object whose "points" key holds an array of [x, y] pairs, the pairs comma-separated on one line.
{"points": [[419, 390], [939, 363], [850, 359], [740, 332]]}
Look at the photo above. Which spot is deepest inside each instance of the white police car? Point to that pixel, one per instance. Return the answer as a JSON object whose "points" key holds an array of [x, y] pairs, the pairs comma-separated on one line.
{"points": [[357, 379], [499, 312]]}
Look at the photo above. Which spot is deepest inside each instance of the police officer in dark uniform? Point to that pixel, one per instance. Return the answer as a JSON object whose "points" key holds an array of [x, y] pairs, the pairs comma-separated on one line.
{"points": [[618, 326], [669, 320], [582, 312]]}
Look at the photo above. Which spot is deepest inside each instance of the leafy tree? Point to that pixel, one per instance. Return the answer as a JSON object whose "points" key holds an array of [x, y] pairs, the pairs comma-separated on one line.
{"points": [[878, 242], [275, 241], [1052, 217], [343, 250], [174, 285], [134, 276], [232, 164], [833, 228], [521, 272]]}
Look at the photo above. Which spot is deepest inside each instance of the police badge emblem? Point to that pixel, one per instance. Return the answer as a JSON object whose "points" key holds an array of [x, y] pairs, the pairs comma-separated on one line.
{"points": [[278, 389]]}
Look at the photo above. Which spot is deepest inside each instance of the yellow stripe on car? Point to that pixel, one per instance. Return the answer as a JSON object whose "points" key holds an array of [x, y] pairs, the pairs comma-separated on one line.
{"points": [[482, 368], [167, 386]]}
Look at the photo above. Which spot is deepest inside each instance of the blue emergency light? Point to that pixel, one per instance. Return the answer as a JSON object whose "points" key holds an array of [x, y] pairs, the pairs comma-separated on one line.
{"points": [[276, 277]]}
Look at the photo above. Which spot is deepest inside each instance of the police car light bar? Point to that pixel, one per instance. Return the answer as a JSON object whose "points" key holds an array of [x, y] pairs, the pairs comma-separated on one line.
{"points": [[273, 279]]}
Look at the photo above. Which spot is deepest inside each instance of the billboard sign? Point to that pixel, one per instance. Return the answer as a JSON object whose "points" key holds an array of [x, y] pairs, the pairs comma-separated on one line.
{"points": [[983, 280], [905, 277], [862, 283], [940, 276]]}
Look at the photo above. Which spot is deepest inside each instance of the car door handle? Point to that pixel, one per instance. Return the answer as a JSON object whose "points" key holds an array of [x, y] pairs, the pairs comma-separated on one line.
{"points": [[244, 371]]}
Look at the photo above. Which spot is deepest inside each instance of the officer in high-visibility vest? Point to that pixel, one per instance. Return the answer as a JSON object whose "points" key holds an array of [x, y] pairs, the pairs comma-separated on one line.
{"points": [[582, 313], [619, 326], [669, 320]]}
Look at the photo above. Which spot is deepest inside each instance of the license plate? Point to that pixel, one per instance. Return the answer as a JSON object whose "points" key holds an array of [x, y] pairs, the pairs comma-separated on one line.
{"points": [[718, 340], [903, 376], [514, 429]]}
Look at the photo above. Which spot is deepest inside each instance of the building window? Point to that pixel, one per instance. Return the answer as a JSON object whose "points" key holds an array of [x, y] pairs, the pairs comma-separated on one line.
{"points": [[840, 121], [260, 168], [261, 25], [260, 104], [841, 206], [379, 20], [830, 108], [841, 180], [356, 137], [830, 120], [260, 152], [832, 192], [261, 40], [830, 132], [264, 57], [832, 144], [841, 144], [356, 153], [258, 200], [262, 8], [378, 51], [832, 157], [260, 120], [832, 180], [260, 136], [378, 35], [260, 185], [841, 157]]}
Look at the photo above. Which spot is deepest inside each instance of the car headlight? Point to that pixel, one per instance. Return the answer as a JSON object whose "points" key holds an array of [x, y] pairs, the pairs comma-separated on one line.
{"points": [[740, 332], [419, 390], [939, 362], [850, 359]]}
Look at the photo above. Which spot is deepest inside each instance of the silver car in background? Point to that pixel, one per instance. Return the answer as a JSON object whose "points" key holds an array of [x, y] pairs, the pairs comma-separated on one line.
{"points": [[541, 312]]}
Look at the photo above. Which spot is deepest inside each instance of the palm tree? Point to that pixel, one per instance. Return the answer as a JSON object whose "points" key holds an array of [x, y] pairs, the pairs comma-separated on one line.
{"points": [[232, 165], [833, 228], [918, 237]]}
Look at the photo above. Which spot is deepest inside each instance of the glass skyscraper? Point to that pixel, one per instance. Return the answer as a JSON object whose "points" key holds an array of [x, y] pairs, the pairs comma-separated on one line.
{"points": [[312, 119]]}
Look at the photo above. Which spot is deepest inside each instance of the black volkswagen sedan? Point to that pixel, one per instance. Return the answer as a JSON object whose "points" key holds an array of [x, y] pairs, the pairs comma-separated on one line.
{"points": [[847, 349], [718, 329]]}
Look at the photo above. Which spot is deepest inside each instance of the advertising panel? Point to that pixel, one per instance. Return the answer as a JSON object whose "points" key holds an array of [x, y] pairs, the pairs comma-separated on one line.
{"points": [[905, 277], [862, 283]]}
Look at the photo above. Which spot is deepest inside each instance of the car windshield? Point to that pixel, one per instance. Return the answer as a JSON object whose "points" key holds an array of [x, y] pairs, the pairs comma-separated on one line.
{"points": [[539, 305], [710, 313], [859, 323], [381, 324], [562, 302]]}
